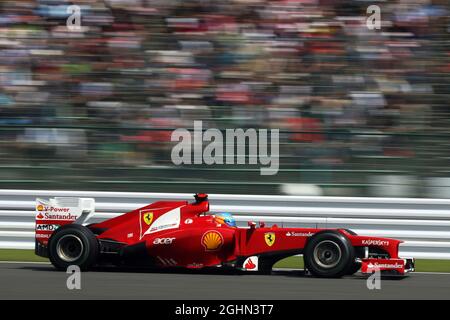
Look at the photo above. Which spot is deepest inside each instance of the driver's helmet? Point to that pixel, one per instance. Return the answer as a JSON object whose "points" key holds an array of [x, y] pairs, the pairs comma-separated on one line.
{"points": [[225, 218]]}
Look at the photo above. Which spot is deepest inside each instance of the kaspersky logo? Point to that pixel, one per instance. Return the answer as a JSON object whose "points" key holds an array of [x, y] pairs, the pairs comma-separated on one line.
{"points": [[372, 242]]}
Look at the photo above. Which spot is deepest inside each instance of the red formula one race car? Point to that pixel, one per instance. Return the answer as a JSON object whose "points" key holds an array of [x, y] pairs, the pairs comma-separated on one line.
{"points": [[181, 234]]}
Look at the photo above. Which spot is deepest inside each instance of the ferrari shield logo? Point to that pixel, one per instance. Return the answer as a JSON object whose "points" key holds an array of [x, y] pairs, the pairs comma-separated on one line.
{"points": [[270, 238], [148, 218], [145, 220]]}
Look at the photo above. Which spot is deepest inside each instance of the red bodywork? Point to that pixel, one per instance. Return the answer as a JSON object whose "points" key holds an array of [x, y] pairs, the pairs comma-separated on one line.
{"points": [[182, 234]]}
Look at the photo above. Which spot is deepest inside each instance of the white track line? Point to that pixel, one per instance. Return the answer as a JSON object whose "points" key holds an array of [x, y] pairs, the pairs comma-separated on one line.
{"points": [[419, 272], [275, 269], [24, 262]]}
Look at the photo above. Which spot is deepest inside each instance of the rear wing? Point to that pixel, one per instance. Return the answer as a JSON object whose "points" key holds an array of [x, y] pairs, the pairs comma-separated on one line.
{"points": [[56, 212]]}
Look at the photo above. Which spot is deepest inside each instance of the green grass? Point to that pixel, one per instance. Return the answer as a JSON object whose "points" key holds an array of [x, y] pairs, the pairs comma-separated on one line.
{"points": [[433, 265], [291, 262], [20, 255]]}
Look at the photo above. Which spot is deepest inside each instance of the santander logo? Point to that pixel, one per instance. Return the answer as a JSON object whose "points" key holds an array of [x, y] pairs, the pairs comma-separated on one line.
{"points": [[50, 212], [56, 216], [250, 265]]}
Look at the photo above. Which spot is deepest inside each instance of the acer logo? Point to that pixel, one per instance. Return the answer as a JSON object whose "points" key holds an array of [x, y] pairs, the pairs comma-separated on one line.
{"points": [[163, 240]]}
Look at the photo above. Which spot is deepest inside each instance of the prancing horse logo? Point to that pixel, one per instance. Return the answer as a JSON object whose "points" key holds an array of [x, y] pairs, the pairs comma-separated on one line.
{"points": [[270, 238], [148, 218], [145, 220]]}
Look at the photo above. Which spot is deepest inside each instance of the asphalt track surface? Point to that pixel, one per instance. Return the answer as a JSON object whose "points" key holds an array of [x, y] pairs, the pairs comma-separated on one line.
{"points": [[41, 281]]}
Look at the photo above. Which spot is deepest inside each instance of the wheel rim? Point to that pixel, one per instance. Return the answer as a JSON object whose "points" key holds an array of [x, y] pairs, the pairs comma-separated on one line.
{"points": [[69, 248], [327, 254]]}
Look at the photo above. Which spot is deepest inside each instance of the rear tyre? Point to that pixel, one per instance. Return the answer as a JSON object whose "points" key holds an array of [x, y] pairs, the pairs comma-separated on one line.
{"points": [[73, 244], [329, 254], [265, 266]]}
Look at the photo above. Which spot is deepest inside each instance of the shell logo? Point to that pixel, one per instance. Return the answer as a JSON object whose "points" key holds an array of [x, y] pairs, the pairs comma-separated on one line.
{"points": [[40, 207], [212, 240]]}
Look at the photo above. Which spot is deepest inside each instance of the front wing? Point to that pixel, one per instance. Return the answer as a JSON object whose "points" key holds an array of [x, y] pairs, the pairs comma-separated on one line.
{"points": [[395, 266]]}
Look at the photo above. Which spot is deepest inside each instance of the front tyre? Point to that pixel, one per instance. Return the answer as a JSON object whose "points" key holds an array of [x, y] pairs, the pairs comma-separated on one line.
{"points": [[73, 244], [359, 252], [329, 254]]}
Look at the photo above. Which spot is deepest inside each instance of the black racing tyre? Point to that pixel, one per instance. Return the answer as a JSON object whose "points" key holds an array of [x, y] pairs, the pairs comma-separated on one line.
{"points": [[265, 266], [354, 268], [328, 254], [359, 252], [73, 244]]}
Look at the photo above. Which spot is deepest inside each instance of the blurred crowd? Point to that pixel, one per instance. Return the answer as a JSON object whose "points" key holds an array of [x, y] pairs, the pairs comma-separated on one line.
{"points": [[312, 68]]}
